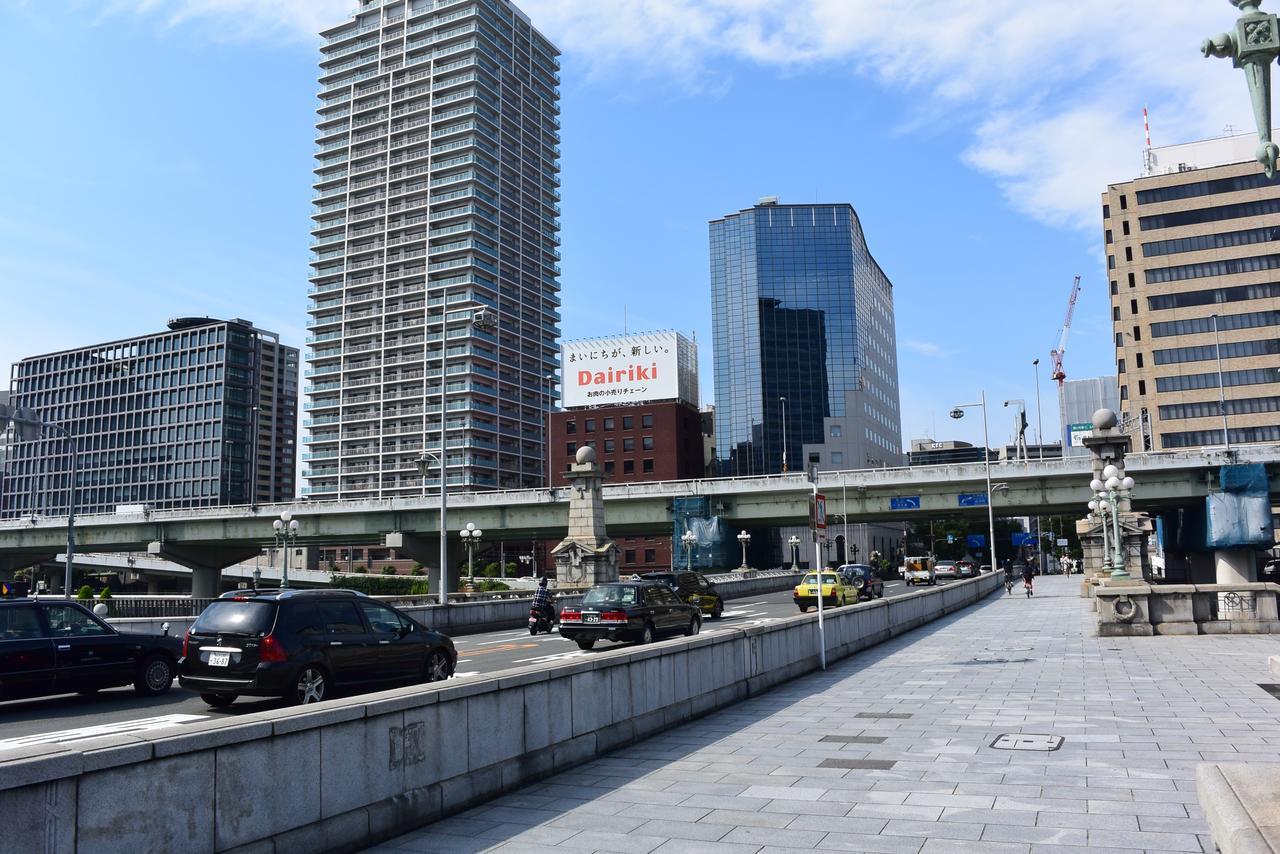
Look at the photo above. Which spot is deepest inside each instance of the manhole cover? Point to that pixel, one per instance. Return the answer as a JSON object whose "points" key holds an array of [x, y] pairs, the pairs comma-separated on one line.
{"points": [[884, 716], [865, 764], [1027, 741]]}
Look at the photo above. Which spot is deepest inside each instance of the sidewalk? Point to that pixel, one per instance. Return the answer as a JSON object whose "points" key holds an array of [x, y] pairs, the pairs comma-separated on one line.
{"points": [[890, 751]]}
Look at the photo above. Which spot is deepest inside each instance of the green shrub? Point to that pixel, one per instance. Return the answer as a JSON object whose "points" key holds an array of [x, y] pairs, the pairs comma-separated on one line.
{"points": [[419, 588], [490, 586], [85, 593], [362, 569], [379, 585], [105, 594], [388, 570], [418, 569]]}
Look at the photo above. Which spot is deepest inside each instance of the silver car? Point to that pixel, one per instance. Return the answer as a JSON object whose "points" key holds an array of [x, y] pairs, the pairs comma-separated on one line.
{"points": [[947, 570]]}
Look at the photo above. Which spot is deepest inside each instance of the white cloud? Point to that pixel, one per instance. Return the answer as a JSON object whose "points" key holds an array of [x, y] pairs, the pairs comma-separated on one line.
{"points": [[1051, 90], [923, 348]]}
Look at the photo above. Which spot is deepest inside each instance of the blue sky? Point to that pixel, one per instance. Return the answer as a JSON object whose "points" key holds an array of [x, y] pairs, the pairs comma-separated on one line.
{"points": [[158, 163]]}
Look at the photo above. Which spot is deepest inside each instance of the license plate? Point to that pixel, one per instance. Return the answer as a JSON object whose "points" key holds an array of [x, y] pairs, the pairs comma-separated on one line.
{"points": [[219, 659], [590, 618], [812, 591]]}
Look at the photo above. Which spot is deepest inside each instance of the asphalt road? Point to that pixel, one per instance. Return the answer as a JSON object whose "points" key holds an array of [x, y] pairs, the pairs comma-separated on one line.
{"points": [[69, 718]]}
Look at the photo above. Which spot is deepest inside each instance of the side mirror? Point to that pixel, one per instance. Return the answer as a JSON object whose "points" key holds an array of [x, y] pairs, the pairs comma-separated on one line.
{"points": [[164, 629]]}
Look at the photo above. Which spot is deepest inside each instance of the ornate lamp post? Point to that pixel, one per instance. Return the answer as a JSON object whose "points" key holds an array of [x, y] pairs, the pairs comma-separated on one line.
{"points": [[286, 529], [1253, 45], [743, 539], [958, 413], [471, 538], [690, 541], [1110, 491], [794, 542]]}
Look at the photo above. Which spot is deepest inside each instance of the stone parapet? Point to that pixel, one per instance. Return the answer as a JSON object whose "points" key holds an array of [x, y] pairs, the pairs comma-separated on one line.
{"points": [[1137, 609]]}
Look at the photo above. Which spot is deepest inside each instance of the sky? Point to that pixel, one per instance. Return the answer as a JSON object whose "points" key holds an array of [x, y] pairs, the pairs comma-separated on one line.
{"points": [[158, 155]]}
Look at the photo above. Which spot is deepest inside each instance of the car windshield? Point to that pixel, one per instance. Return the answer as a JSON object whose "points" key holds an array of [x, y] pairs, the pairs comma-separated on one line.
{"points": [[812, 578], [609, 595], [226, 617]]}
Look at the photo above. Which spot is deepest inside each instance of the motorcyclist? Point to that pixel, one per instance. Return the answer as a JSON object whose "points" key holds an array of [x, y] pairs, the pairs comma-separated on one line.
{"points": [[542, 598]]}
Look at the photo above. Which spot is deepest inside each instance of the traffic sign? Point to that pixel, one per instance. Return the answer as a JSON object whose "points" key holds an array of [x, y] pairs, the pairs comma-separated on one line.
{"points": [[951, 538], [972, 499], [820, 512], [1062, 541], [908, 502], [974, 541]]}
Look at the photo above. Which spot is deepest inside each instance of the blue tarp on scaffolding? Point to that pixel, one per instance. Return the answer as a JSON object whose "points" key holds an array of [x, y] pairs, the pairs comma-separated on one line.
{"points": [[715, 547], [1239, 517]]}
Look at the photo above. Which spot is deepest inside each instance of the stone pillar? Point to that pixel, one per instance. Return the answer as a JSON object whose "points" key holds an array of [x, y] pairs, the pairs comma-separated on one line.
{"points": [[586, 555], [204, 561], [1109, 446], [1234, 566]]}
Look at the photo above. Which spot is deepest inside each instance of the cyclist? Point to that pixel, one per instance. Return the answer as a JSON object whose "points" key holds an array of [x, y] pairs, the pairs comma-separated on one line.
{"points": [[1008, 576], [1028, 578]]}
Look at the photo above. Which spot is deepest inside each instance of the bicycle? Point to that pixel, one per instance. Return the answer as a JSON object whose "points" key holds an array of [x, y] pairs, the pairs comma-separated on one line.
{"points": [[1008, 584], [1027, 585]]}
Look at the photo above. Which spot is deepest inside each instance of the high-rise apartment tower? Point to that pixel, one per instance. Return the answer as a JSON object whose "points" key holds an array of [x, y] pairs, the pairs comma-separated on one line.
{"points": [[1193, 253], [435, 237]]}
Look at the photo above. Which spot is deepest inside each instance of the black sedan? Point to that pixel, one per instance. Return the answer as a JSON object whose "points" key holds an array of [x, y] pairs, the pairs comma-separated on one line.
{"points": [[61, 648], [864, 579], [306, 645], [637, 611]]}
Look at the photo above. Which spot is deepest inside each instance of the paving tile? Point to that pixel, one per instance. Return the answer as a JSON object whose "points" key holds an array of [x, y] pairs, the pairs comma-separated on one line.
{"points": [[1148, 841], [621, 843], [869, 844], [1041, 835], [698, 830], [786, 837]]}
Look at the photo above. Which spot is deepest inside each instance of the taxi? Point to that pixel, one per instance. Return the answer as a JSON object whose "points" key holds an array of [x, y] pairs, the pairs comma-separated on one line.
{"points": [[834, 591]]}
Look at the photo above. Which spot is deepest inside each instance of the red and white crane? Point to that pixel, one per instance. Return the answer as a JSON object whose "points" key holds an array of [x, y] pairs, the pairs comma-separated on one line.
{"points": [[1056, 354]]}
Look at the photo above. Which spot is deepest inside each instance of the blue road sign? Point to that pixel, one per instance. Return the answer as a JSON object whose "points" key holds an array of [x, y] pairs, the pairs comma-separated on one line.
{"points": [[910, 502], [975, 541], [972, 499], [951, 538], [1022, 539]]}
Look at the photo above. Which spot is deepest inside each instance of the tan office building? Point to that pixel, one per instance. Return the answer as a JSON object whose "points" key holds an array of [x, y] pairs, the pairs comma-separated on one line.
{"points": [[1194, 247]]}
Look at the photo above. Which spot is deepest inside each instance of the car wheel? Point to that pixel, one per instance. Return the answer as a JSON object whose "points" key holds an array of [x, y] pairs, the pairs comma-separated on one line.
{"points": [[155, 676], [695, 626], [717, 611], [646, 637], [218, 701], [586, 643], [311, 686], [437, 667], [804, 609]]}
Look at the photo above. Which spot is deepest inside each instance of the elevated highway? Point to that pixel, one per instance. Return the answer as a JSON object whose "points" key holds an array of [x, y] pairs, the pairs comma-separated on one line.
{"points": [[221, 536]]}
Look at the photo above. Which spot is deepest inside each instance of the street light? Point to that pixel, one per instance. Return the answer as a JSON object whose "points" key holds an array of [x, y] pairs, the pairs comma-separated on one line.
{"points": [[423, 462], [1113, 487], [286, 530], [794, 542], [958, 412], [1253, 46], [690, 540], [783, 402], [471, 538], [743, 539], [1039, 422]]}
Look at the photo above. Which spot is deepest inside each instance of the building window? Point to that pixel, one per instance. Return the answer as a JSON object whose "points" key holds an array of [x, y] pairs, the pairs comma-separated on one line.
{"points": [[647, 466], [1115, 289], [646, 443], [1108, 236], [1115, 312], [1133, 283], [1137, 333], [629, 556], [570, 447], [1128, 254], [1133, 306], [1120, 366], [1111, 262], [609, 466], [837, 458], [628, 466], [608, 424], [650, 555], [836, 431], [1138, 356], [608, 446], [1125, 226], [628, 443], [1142, 387], [590, 425], [1106, 211], [571, 427], [627, 422], [646, 420], [1124, 203]]}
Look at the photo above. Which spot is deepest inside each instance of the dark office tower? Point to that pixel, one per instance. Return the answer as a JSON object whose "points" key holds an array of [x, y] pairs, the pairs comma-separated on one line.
{"points": [[436, 227], [189, 417], [805, 347]]}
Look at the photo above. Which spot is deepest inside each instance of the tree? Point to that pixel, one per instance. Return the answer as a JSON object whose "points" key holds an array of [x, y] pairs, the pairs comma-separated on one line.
{"points": [[84, 594]]}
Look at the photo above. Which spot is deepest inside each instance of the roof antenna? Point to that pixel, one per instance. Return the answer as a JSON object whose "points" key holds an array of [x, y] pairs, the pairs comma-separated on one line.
{"points": [[1148, 156]]}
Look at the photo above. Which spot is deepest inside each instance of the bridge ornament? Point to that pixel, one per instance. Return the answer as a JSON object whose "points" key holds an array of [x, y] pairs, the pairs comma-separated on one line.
{"points": [[1252, 46]]}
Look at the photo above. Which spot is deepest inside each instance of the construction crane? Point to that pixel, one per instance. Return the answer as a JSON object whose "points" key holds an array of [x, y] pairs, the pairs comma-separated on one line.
{"points": [[1056, 355]]}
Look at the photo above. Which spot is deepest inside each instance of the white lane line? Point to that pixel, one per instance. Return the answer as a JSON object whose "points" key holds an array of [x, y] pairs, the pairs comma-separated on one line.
{"points": [[121, 727], [463, 660]]}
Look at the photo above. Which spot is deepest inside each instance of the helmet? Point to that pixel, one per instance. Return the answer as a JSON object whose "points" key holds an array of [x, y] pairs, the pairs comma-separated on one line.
{"points": [[542, 582]]}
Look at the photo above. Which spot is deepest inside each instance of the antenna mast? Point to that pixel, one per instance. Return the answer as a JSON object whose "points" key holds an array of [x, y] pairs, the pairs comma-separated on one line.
{"points": [[1148, 156]]}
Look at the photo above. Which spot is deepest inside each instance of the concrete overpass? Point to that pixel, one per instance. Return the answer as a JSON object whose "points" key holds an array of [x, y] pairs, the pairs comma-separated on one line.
{"points": [[212, 538]]}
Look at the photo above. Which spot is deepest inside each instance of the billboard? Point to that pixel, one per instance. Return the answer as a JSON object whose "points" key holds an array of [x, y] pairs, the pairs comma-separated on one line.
{"points": [[1076, 432], [623, 369]]}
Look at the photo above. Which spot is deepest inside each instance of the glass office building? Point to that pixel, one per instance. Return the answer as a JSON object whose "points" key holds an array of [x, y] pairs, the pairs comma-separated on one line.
{"points": [[436, 205], [189, 417], [805, 345]]}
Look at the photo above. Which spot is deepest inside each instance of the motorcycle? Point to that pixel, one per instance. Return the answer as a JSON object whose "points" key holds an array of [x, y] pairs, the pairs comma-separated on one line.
{"points": [[539, 620]]}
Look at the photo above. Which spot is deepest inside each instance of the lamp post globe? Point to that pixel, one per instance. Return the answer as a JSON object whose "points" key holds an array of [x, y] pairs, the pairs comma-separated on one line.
{"points": [[743, 539], [690, 540], [1097, 485], [1127, 484]]}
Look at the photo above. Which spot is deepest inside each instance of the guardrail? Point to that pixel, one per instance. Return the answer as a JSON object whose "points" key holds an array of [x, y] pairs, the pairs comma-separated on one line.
{"points": [[400, 759]]}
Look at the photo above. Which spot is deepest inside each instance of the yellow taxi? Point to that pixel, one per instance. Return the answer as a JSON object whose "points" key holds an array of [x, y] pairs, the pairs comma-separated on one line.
{"points": [[834, 591]]}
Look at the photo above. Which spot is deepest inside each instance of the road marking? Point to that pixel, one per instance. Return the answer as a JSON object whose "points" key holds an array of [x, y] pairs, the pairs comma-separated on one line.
{"points": [[67, 736], [506, 647]]}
